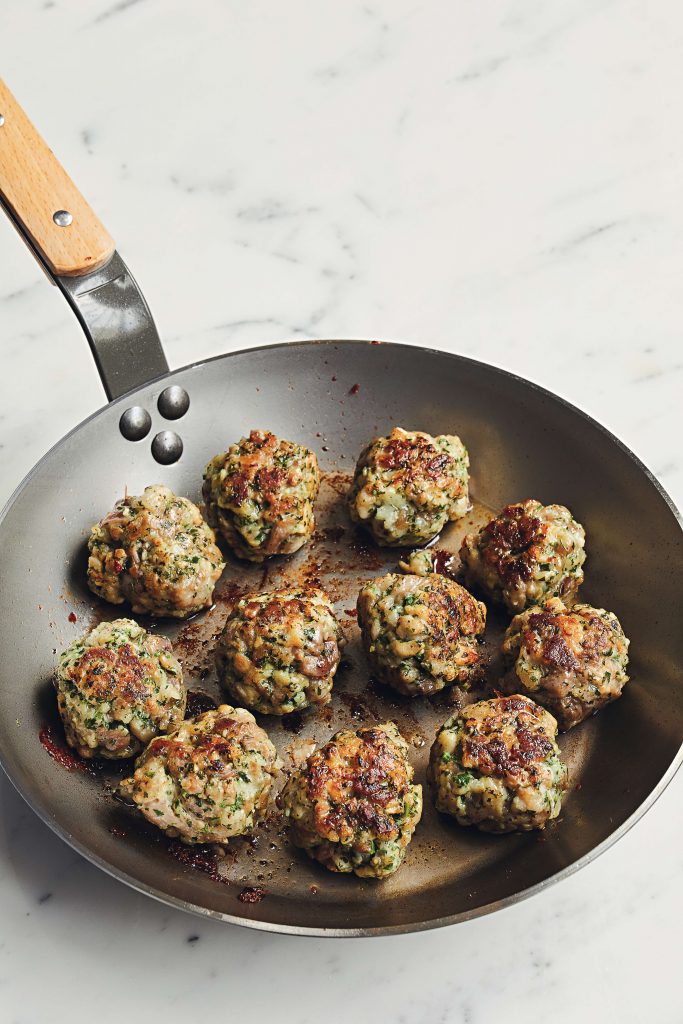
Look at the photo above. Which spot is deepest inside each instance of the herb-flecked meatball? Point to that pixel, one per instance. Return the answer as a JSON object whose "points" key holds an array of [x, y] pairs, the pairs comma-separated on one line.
{"points": [[571, 660], [260, 495], [279, 651], [527, 553], [496, 765], [408, 485], [117, 688], [420, 632], [353, 806], [208, 780], [156, 552], [425, 561], [419, 562]]}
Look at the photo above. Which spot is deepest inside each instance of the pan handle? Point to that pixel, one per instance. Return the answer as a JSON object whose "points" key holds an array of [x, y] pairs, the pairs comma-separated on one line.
{"points": [[44, 201], [77, 253]]}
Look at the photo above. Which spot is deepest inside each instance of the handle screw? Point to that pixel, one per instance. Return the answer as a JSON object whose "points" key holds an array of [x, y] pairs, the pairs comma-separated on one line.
{"points": [[2, 120], [62, 218]]}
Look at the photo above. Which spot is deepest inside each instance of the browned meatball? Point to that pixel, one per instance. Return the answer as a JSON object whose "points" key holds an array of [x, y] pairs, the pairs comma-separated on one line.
{"points": [[117, 688], [156, 552], [279, 651], [496, 765], [571, 660], [408, 485], [260, 495], [353, 807], [527, 553], [208, 780], [420, 632]]}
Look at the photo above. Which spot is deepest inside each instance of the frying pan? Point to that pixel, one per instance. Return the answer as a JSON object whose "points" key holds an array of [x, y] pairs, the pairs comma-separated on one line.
{"points": [[332, 396]]}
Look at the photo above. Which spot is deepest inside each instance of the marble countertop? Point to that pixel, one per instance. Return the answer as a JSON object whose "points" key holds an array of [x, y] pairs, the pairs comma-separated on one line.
{"points": [[498, 179]]}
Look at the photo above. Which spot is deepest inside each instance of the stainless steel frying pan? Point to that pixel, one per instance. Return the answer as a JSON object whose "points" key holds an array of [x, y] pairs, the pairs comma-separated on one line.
{"points": [[332, 396]]}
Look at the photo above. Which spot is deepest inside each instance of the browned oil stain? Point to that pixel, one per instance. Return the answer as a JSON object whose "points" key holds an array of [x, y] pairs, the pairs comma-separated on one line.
{"points": [[56, 746], [200, 858], [294, 722], [251, 894], [198, 703]]}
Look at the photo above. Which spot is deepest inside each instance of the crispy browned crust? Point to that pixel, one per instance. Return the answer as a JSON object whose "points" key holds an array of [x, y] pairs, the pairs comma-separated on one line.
{"points": [[352, 781], [512, 543], [257, 470], [210, 753], [283, 607], [412, 461], [453, 612], [545, 637], [103, 673], [508, 738]]}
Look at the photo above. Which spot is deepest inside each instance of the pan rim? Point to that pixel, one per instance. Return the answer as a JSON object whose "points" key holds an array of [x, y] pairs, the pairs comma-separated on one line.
{"points": [[44, 813]]}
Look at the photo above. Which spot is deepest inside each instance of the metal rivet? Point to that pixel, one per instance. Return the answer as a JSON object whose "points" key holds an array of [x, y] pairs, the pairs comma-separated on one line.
{"points": [[62, 218], [173, 402], [135, 423], [167, 447], [2, 120]]}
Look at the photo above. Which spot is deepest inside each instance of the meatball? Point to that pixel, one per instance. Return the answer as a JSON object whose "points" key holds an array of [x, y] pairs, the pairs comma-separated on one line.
{"points": [[496, 765], [419, 562], [408, 485], [117, 688], [156, 552], [420, 632], [425, 561], [260, 495], [353, 806], [279, 651], [208, 780], [571, 660], [527, 553]]}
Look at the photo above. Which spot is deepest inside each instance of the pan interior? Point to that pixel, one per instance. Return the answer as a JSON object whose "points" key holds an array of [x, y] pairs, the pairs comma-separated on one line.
{"points": [[334, 397]]}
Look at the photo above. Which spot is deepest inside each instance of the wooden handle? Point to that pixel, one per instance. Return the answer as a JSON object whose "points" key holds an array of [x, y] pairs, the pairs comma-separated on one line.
{"points": [[40, 194]]}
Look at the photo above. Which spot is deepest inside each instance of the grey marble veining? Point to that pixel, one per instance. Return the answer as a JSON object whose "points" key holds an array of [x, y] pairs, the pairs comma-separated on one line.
{"points": [[499, 179]]}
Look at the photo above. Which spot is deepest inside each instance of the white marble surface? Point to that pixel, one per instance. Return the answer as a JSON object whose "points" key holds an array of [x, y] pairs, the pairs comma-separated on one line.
{"points": [[501, 179]]}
